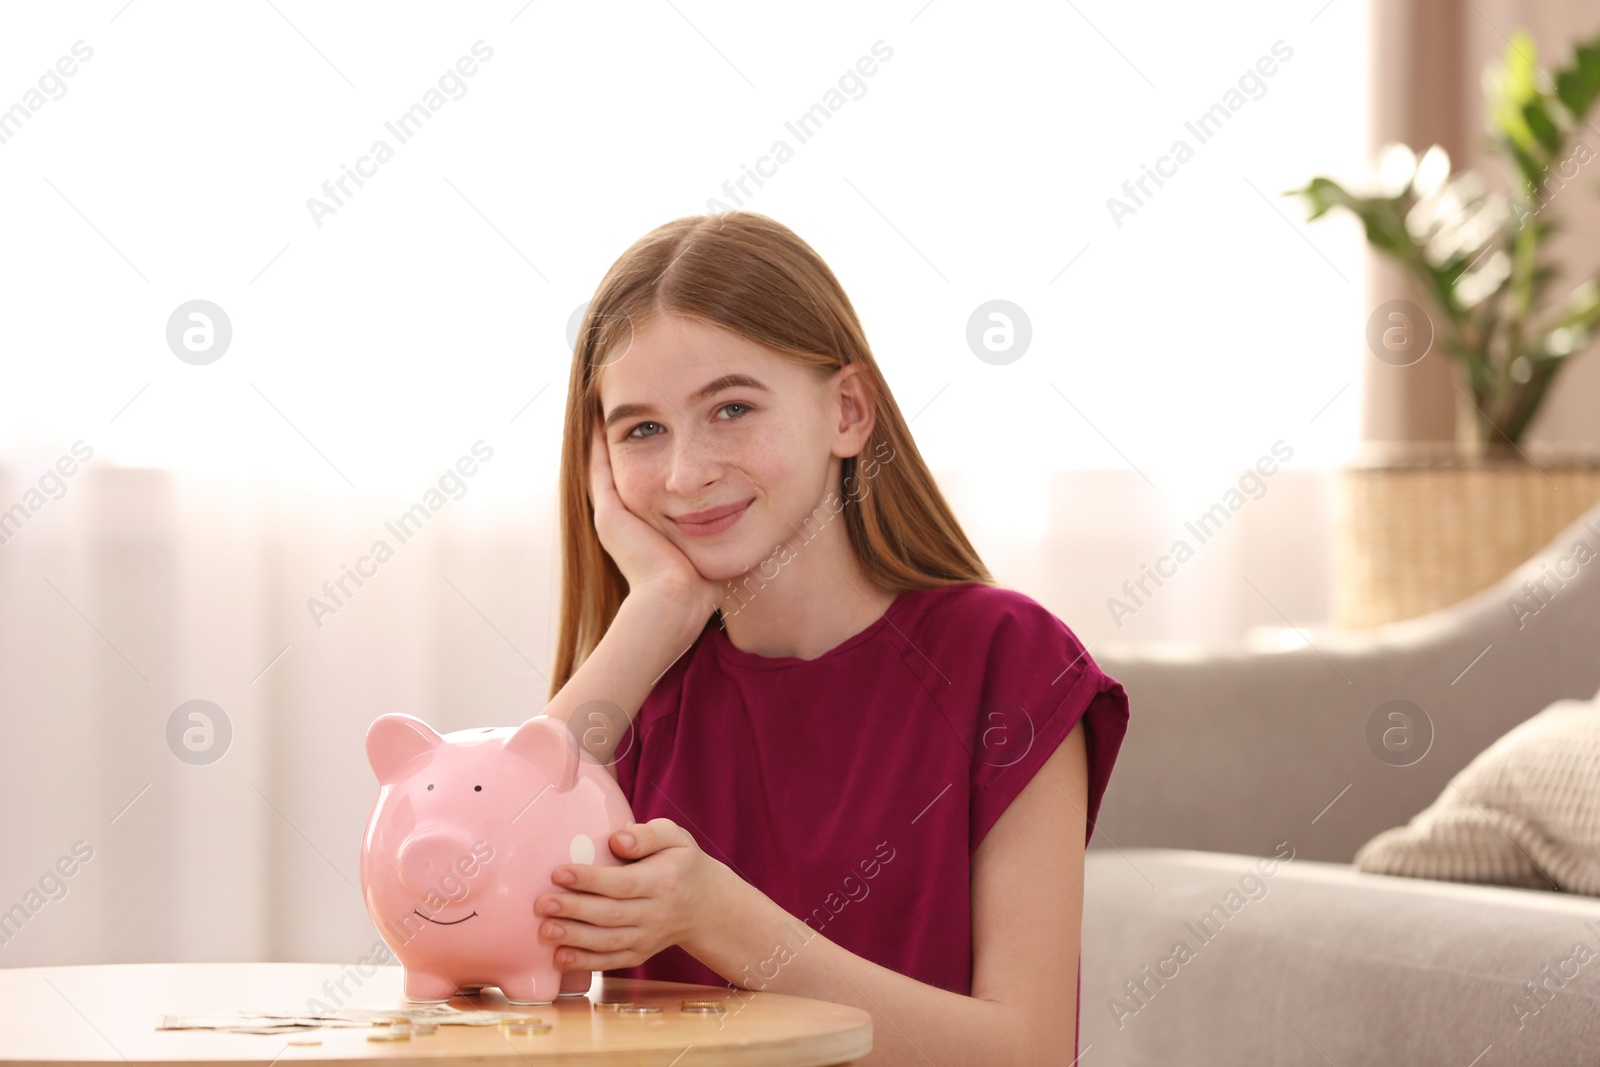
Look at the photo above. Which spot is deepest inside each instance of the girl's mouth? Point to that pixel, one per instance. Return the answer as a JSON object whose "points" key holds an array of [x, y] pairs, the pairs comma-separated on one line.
{"points": [[721, 519]]}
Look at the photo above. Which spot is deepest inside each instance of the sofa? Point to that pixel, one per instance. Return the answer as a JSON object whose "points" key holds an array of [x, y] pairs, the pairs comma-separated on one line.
{"points": [[1223, 921]]}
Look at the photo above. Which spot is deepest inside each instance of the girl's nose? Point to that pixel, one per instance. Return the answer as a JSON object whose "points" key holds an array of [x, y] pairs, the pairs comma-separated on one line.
{"points": [[694, 464]]}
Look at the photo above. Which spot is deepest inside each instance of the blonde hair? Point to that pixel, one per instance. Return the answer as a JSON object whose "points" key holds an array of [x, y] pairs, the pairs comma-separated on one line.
{"points": [[752, 275]]}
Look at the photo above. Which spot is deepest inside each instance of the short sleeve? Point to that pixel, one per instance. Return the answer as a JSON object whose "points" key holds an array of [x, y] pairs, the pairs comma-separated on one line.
{"points": [[1039, 682]]}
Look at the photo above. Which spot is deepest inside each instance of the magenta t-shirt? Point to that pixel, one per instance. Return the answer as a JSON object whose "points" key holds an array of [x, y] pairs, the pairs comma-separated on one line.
{"points": [[853, 789]]}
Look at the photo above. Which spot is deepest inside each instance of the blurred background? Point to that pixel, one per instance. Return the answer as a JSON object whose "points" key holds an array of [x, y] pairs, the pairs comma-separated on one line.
{"points": [[224, 374]]}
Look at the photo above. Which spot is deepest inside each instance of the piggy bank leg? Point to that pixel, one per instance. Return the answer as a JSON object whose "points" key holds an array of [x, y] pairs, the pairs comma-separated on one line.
{"points": [[538, 988], [575, 983], [428, 988]]}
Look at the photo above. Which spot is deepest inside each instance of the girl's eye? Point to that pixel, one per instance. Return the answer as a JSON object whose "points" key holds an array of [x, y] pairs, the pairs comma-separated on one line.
{"points": [[634, 433]]}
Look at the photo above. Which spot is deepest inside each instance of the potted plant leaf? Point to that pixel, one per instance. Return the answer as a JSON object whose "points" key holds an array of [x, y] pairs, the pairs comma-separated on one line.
{"points": [[1422, 530]]}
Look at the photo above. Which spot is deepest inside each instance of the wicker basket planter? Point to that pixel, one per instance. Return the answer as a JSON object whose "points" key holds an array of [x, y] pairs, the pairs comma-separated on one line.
{"points": [[1422, 530]]}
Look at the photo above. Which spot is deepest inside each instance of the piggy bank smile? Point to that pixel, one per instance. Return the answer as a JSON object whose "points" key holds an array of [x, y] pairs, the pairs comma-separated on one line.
{"points": [[443, 922]]}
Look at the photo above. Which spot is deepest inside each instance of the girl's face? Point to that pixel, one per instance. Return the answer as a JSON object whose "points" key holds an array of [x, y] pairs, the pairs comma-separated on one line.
{"points": [[700, 420]]}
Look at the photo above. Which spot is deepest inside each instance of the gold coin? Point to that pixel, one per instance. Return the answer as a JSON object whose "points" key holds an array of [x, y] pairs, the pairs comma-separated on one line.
{"points": [[392, 1035], [305, 1041], [521, 1026], [712, 1008], [639, 1009]]}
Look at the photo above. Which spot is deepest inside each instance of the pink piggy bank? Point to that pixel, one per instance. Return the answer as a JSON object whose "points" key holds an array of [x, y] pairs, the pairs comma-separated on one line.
{"points": [[466, 832]]}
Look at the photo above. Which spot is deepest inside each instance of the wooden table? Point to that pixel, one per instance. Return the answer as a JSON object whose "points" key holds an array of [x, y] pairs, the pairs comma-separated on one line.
{"points": [[107, 1015]]}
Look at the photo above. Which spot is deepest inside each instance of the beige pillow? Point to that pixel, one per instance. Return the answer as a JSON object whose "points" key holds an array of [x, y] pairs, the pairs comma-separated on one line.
{"points": [[1524, 812]]}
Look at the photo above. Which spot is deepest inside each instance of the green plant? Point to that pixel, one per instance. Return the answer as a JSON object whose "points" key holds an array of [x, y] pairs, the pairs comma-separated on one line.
{"points": [[1480, 255]]}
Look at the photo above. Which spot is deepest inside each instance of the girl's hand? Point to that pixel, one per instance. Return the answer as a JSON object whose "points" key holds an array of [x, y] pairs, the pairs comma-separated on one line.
{"points": [[642, 553], [621, 916]]}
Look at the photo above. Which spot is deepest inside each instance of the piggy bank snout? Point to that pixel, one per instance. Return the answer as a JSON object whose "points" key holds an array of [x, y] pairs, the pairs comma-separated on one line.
{"points": [[437, 862]]}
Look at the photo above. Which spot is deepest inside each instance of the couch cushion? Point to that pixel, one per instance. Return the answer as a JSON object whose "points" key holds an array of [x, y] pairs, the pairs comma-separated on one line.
{"points": [[1524, 812], [1213, 958]]}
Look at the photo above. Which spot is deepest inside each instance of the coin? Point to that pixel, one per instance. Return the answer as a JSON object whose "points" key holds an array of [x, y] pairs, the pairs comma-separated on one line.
{"points": [[524, 1027], [639, 1009], [424, 1029], [305, 1041], [709, 1007], [390, 1035]]}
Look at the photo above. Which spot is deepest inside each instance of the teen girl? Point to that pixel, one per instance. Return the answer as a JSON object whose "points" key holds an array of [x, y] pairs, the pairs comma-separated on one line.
{"points": [[863, 772]]}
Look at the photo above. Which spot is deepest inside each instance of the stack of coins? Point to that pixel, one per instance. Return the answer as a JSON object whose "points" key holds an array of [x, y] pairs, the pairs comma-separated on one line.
{"points": [[523, 1027], [400, 1028], [390, 1028], [706, 1007]]}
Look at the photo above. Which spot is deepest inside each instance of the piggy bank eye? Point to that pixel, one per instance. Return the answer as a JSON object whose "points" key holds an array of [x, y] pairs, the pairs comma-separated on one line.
{"points": [[477, 789], [430, 787]]}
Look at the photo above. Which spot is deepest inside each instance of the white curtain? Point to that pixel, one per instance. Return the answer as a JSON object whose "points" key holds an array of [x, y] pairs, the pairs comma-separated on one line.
{"points": [[140, 590]]}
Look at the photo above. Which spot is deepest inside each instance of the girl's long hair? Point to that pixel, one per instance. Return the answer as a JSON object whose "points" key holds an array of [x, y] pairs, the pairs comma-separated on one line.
{"points": [[752, 275]]}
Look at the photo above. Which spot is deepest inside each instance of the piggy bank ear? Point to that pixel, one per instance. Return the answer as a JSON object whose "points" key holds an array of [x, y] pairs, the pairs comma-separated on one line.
{"points": [[546, 742], [393, 741]]}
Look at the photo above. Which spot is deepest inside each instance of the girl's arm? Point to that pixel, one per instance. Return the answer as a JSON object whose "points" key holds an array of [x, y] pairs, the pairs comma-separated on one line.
{"points": [[1027, 909], [667, 605], [650, 631]]}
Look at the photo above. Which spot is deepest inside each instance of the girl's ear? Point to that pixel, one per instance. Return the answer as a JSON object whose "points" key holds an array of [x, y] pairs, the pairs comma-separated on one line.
{"points": [[856, 417]]}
